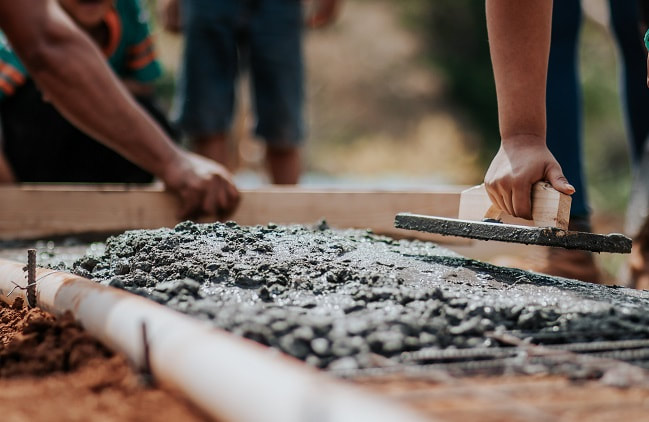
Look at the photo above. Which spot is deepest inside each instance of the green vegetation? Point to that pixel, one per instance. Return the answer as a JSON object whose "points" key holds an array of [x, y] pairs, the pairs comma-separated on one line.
{"points": [[605, 142], [457, 45]]}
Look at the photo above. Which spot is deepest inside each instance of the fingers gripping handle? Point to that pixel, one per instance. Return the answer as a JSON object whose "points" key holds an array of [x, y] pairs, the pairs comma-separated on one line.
{"points": [[550, 208], [493, 214]]}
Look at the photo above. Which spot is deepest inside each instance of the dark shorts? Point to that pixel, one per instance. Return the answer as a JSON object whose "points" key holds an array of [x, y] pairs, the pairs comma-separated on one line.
{"points": [[220, 36], [42, 146]]}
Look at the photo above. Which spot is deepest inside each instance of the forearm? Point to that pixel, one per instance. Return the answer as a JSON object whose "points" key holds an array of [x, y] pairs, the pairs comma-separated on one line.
{"points": [[519, 38], [74, 76], [91, 97]]}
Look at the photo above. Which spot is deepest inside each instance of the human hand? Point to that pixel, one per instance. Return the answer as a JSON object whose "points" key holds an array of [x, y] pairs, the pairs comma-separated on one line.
{"points": [[169, 11], [203, 185], [325, 13], [520, 162]]}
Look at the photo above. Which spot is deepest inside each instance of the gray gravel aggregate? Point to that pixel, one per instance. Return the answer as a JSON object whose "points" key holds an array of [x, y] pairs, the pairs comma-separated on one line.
{"points": [[341, 299]]}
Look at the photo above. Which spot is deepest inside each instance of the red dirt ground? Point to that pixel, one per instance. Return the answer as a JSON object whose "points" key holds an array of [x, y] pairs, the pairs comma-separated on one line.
{"points": [[51, 370]]}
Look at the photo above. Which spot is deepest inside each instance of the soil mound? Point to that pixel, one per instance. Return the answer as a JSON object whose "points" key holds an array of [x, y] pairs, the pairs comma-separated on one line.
{"points": [[51, 370], [35, 343]]}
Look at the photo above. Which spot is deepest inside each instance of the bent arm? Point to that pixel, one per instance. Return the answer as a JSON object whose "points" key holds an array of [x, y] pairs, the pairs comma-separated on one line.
{"points": [[72, 74], [519, 39]]}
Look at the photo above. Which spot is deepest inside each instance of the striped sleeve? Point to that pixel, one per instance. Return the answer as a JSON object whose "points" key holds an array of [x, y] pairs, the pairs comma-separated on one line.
{"points": [[141, 58], [12, 71]]}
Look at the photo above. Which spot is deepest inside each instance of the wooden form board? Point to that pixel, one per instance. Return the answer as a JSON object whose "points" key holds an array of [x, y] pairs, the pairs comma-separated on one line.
{"points": [[550, 208], [33, 211]]}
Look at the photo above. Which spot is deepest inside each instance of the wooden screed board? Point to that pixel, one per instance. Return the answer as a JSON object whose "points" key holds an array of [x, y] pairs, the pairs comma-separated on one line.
{"points": [[37, 211]]}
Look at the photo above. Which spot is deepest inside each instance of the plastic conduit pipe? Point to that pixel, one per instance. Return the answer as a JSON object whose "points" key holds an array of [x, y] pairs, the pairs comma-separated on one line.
{"points": [[228, 377]]}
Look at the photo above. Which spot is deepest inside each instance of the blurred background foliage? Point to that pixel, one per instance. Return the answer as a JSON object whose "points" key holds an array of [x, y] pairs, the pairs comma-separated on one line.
{"points": [[456, 43], [402, 94]]}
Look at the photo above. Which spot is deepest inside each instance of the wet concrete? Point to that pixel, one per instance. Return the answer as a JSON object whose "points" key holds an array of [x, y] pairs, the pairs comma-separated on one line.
{"points": [[547, 236], [348, 299]]}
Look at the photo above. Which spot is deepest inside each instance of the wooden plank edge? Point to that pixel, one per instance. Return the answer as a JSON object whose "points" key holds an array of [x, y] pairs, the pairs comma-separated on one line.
{"points": [[33, 211]]}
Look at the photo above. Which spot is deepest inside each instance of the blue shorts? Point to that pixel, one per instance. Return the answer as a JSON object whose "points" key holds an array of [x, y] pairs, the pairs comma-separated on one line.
{"points": [[220, 35]]}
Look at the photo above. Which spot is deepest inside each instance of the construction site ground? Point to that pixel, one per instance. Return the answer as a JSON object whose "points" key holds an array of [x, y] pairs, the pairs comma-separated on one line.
{"points": [[539, 388], [51, 370], [104, 387]]}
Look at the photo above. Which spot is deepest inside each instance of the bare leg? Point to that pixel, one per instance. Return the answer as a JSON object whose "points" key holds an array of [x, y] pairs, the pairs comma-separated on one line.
{"points": [[6, 174], [214, 147], [284, 164]]}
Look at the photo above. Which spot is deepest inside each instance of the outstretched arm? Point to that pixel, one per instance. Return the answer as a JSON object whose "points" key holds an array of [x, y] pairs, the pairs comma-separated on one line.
{"points": [[72, 74], [519, 38]]}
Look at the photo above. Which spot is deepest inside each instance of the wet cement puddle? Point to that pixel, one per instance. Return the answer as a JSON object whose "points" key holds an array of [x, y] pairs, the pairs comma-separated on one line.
{"points": [[343, 300]]}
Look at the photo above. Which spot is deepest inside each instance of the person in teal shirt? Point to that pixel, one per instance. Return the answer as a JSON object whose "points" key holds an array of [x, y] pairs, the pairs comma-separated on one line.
{"points": [[40, 145], [69, 67]]}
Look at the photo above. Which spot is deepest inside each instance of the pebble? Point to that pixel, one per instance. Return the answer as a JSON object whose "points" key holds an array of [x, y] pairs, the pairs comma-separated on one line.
{"points": [[321, 346]]}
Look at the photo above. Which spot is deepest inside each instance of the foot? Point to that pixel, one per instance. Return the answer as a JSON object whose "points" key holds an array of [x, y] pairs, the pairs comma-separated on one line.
{"points": [[559, 262], [639, 259], [639, 267]]}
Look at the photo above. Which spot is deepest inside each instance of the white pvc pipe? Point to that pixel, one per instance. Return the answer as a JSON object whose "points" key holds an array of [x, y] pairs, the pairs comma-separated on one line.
{"points": [[228, 377]]}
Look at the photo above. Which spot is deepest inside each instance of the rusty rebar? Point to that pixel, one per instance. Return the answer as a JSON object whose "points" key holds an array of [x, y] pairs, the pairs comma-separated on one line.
{"points": [[146, 374], [31, 277]]}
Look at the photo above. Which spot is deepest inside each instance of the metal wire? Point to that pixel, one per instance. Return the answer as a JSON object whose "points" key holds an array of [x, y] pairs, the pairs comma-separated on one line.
{"points": [[18, 286]]}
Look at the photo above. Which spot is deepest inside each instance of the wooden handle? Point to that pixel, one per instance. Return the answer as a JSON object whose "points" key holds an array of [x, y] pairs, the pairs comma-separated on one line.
{"points": [[550, 208], [493, 213]]}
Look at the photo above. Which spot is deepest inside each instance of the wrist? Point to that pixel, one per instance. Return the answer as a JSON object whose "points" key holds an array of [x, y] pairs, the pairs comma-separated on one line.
{"points": [[172, 167], [523, 140]]}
